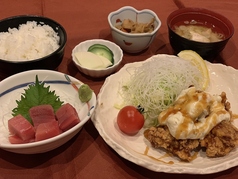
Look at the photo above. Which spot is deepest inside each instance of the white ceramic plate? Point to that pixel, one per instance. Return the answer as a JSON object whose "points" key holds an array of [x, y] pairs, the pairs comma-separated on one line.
{"points": [[64, 86], [132, 148]]}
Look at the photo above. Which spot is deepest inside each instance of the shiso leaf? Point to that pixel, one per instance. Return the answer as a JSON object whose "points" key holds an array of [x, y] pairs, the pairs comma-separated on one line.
{"points": [[36, 94]]}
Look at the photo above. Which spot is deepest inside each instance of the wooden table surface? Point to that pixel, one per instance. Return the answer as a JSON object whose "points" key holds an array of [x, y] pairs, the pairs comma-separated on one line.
{"points": [[87, 155]]}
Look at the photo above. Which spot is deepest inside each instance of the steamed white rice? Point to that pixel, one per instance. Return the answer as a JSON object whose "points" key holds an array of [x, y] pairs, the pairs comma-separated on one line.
{"points": [[30, 41]]}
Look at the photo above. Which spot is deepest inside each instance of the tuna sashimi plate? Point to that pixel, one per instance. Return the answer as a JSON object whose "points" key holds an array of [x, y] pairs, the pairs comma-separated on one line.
{"points": [[135, 148], [64, 86]]}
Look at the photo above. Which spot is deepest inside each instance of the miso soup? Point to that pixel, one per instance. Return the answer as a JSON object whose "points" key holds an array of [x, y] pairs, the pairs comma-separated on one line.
{"points": [[198, 33]]}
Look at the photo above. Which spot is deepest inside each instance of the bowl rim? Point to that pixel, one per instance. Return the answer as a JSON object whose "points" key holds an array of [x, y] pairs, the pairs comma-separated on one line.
{"points": [[52, 139], [204, 11], [98, 41], [42, 58], [118, 11]]}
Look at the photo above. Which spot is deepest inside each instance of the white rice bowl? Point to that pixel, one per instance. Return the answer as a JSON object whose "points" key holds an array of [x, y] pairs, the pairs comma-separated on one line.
{"points": [[28, 42]]}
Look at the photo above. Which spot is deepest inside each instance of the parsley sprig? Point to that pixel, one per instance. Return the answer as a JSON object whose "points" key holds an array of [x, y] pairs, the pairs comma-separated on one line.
{"points": [[36, 94]]}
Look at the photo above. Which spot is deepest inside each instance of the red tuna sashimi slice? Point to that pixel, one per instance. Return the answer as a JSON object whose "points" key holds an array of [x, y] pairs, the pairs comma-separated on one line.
{"points": [[42, 114], [14, 139], [47, 130], [67, 117], [21, 127]]}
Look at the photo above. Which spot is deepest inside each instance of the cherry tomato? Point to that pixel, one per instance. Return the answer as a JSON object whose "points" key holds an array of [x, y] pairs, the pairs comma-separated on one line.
{"points": [[130, 120]]}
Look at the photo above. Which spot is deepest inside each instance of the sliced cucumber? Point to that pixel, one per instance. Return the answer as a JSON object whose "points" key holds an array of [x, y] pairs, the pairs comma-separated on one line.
{"points": [[102, 50], [99, 46]]}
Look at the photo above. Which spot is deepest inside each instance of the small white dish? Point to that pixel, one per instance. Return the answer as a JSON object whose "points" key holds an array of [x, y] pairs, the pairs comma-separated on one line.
{"points": [[97, 73], [64, 86], [133, 42]]}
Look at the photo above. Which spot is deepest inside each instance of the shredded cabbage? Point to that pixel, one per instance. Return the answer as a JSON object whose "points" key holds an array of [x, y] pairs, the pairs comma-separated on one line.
{"points": [[156, 84]]}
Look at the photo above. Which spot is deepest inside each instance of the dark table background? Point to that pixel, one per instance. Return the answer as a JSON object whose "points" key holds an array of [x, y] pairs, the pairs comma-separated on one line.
{"points": [[87, 155]]}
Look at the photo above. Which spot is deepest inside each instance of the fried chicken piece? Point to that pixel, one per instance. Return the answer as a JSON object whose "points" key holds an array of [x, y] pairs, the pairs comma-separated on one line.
{"points": [[221, 140], [160, 137]]}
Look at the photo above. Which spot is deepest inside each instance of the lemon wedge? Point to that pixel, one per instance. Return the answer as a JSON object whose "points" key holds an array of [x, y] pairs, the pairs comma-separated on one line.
{"points": [[198, 61]]}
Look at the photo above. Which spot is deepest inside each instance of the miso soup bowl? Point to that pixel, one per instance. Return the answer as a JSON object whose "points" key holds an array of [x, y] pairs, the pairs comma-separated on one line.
{"points": [[199, 16]]}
